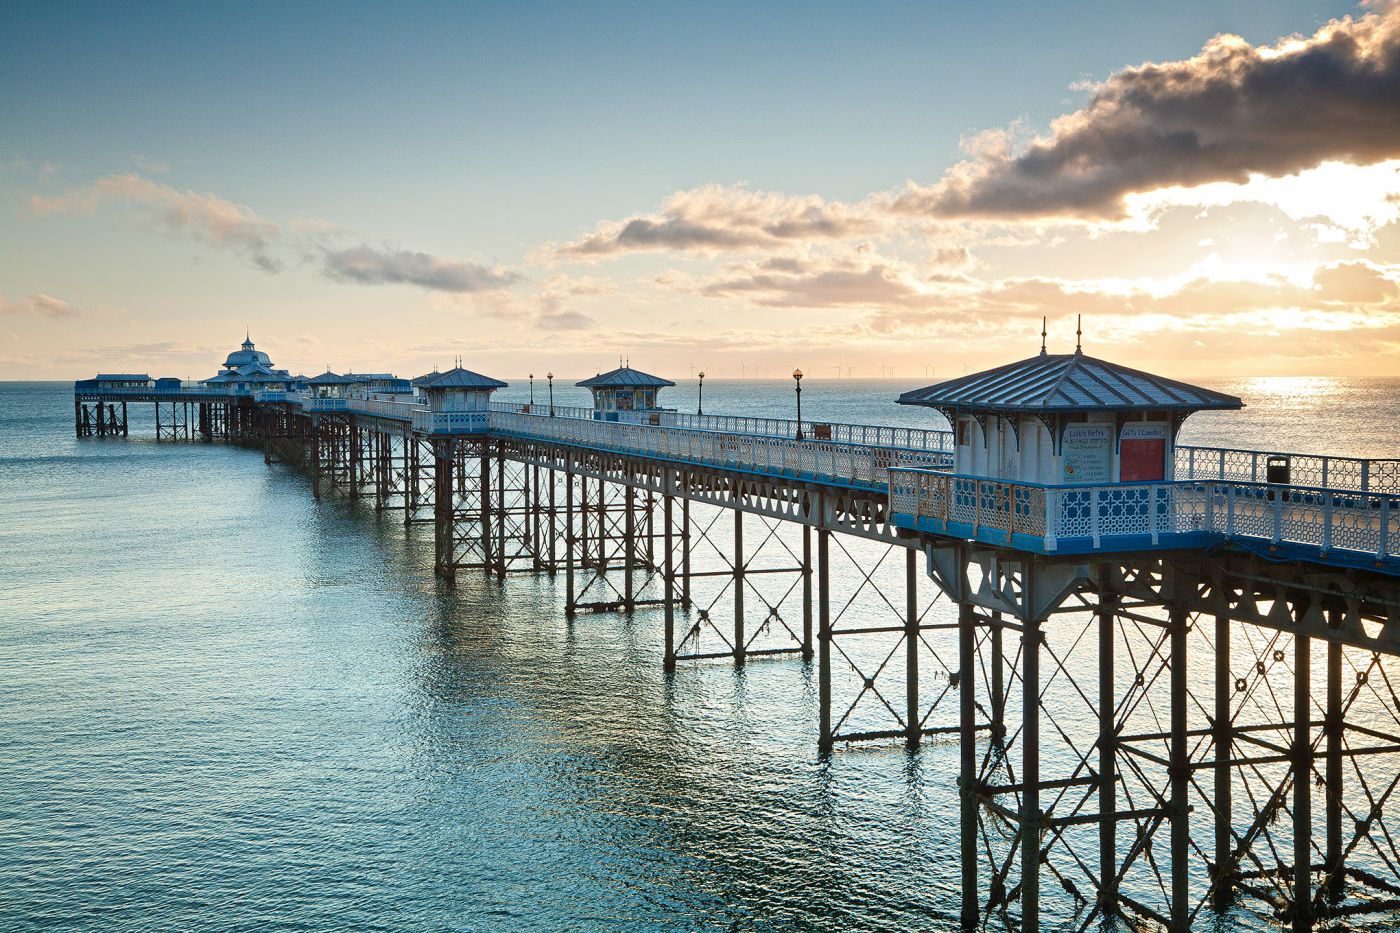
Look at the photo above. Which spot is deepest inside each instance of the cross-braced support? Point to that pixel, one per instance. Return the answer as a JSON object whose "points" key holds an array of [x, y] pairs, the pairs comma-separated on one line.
{"points": [[883, 631], [747, 581], [612, 546]]}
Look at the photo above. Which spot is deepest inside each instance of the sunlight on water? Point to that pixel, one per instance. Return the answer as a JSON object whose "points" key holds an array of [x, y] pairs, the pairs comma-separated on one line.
{"points": [[227, 705]]}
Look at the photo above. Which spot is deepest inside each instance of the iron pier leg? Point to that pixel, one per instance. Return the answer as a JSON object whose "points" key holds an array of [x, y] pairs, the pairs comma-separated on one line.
{"points": [[315, 459], [569, 542], [670, 581], [124, 426], [1030, 778], [629, 528], [500, 512], [912, 720], [1302, 784], [1334, 727], [807, 593], [967, 766], [486, 536], [445, 536], [1223, 882], [1108, 762], [1180, 775], [78, 419], [533, 475], [998, 681], [685, 553], [553, 522], [739, 634], [824, 638]]}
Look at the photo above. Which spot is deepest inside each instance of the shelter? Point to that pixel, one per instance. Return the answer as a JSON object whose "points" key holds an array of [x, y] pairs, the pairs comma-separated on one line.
{"points": [[624, 389], [1061, 419], [458, 389]]}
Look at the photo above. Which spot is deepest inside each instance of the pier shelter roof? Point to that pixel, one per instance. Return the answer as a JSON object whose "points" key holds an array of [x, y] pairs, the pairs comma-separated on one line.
{"points": [[329, 378], [459, 378], [1067, 383], [625, 377]]}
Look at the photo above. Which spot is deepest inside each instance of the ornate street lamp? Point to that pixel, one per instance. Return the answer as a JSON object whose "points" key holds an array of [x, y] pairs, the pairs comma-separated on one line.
{"points": [[550, 376], [532, 390], [797, 378], [700, 406]]}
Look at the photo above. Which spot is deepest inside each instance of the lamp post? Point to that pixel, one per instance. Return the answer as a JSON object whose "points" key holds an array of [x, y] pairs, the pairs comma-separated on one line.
{"points": [[550, 376], [532, 390], [797, 378], [700, 405]]}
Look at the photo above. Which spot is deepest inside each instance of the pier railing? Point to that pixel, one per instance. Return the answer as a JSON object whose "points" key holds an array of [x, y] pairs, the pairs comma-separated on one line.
{"points": [[1076, 519], [848, 464], [871, 435], [1251, 466]]}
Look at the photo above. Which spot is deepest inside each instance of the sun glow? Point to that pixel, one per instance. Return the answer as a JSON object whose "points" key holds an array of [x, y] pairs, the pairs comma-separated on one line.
{"points": [[1337, 201]]}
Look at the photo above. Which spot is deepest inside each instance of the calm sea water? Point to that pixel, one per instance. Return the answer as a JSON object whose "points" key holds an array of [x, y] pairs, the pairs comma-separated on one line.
{"points": [[226, 706]]}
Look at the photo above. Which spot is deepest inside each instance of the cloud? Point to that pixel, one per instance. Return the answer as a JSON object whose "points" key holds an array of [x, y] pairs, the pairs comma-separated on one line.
{"points": [[861, 278], [1338, 297], [39, 305], [207, 218], [369, 266], [1230, 111], [715, 219]]}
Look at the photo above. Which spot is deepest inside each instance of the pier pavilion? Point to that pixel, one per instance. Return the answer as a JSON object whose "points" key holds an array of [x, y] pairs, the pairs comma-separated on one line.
{"points": [[1118, 631], [623, 390]]}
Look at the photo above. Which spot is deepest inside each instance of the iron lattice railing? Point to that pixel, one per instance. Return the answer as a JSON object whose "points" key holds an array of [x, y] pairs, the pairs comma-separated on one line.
{"points": [[1125, 516]]}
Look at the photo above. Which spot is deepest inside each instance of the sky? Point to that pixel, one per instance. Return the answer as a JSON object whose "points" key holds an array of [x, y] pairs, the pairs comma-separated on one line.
{"points": [[854, 189]]}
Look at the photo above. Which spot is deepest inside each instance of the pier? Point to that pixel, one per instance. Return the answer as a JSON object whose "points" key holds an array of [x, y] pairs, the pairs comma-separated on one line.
{"points": [[1168, 670]]}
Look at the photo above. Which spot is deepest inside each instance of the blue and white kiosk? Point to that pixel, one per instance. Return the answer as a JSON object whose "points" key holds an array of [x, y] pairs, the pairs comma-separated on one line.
{"points": [[625, 390], [459, 400], [1058, 450]]}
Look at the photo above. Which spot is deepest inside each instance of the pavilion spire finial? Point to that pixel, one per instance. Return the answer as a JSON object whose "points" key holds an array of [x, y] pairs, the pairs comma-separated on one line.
{"points": [[1042, 334], [1078, 333]]}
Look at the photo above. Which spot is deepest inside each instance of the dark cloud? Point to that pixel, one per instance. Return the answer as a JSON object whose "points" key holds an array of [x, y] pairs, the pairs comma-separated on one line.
{"points": [[369, 266], [1232, 110]]}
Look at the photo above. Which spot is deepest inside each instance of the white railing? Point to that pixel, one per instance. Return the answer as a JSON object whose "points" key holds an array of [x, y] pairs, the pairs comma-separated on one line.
{"points": [[852, 464], [872, 435], [450, 422], [1132, 515], [1251, 466], [384, 407]]}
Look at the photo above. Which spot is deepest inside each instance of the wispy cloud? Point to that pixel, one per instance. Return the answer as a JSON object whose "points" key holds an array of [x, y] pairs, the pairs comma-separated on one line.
{"points": [[207, 218], [39, 305], [1232, 110], [370, 266], [216, 221]]}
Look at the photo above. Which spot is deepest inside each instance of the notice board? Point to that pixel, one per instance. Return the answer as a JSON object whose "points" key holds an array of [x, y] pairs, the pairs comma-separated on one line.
{"points": [[1085, 453], [1143, 453]]}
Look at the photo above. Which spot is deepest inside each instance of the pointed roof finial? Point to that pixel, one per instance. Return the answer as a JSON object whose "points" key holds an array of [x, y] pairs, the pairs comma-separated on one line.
{"points": [[1078, 332], [1042, 335]]}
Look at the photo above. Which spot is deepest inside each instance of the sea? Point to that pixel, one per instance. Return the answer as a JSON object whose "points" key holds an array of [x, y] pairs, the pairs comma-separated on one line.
{"points": [[226, 706]]}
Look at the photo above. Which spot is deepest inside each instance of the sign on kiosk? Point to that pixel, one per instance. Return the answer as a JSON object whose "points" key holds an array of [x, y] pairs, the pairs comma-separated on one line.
{"points": [[1085, 453], [1143, 453]]}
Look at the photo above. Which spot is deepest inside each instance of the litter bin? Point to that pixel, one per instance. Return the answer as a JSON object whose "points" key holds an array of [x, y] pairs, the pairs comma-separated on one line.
{"points": [[1278, 472]]}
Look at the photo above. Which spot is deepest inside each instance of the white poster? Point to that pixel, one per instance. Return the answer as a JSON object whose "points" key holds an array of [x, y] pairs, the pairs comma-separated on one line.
{"points": [[1085, 452]]}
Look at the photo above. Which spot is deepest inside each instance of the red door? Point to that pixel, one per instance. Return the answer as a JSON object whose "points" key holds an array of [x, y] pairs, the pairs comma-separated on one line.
{"points": [[1142, 460]]}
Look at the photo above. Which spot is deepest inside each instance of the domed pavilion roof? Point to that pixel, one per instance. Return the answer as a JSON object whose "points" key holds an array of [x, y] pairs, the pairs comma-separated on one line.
{"points": [[247, 355]]}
